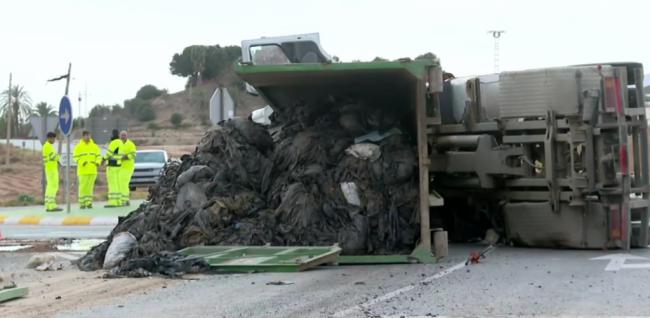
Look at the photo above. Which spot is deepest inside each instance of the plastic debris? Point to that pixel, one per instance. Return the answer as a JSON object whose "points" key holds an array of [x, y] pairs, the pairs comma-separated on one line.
{"points": [[120, 245], [79, 245], [41, 261], [376, 136], [262, 116], [351, 193], [279, 283], [365, 151]]}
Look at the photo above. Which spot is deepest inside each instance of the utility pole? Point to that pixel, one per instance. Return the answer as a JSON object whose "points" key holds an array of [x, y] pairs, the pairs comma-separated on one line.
{"points": [[8, 122], [496, 34]]}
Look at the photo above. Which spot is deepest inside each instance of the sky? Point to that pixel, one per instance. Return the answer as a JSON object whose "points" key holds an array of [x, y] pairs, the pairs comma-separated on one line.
{"points": [[116, 47]]}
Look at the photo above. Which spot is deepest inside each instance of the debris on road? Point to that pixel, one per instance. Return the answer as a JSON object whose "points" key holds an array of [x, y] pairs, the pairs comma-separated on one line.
{"points": [[247, 184], [41, 262], [163, 263], [78, 244], [279, 283], [121, 244], [11, 291], [475, 256]]}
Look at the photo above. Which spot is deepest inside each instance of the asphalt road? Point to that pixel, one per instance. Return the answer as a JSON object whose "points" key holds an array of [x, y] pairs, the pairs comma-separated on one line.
{"points": [[509, 282], [42, 232]]}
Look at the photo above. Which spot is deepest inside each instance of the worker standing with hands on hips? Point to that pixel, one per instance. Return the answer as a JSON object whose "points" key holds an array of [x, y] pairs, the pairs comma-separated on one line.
{"points": [[127, 156], [51, 162], [88, 157], [113, 165]]}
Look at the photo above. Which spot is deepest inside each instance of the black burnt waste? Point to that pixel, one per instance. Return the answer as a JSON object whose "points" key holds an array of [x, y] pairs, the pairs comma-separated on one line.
{"points": [[301, 181]]}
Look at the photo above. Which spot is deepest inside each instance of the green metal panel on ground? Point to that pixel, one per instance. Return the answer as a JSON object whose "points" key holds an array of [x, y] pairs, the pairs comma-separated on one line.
{"points": [[264, 258], [290, 258], [12, 293]]}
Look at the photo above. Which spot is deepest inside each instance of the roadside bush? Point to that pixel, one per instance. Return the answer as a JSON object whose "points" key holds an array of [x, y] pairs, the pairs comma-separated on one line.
{"points": [[145, 113], [26, 199], [176, 119], [148, 92]]}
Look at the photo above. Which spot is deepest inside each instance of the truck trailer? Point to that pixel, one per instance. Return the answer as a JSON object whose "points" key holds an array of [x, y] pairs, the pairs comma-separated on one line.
{"points": [[553, 157]]}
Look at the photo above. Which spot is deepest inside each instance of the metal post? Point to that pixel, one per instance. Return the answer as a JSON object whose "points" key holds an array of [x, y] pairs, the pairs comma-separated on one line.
{"points": [[67, 79], [8, 123], [67, 164], [43, 133], [67, 177], [423, 165]]}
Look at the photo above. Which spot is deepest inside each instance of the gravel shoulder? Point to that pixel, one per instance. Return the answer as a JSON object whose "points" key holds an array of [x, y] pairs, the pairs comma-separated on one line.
{"points": [[51, 292]]}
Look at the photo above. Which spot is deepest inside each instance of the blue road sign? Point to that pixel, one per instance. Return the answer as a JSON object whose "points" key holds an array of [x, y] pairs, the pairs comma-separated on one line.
{"points": [[65, 116]]}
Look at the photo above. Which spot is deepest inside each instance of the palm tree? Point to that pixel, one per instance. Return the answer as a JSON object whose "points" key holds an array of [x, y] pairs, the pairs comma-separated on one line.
{"points": [[20, 106], [42, 109]]}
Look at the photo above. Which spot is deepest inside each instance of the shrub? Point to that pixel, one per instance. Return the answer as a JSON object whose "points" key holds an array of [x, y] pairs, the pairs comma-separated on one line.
{"points": [[148, 92], [176, 119], [145, 113]]}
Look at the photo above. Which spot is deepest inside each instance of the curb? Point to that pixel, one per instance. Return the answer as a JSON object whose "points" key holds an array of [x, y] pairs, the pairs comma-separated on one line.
{"points": [[58, 220]]}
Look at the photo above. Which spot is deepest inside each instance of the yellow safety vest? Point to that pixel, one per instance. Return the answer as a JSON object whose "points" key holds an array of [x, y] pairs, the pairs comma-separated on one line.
{"points": [[88, 157], [50, 157], [128, 149], [112, 153]]}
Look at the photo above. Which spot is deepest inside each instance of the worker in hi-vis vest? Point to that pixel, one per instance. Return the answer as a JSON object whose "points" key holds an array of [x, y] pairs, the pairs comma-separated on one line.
{"points": [[51, 162], [113, 165], [88, 157], [127, 155]]}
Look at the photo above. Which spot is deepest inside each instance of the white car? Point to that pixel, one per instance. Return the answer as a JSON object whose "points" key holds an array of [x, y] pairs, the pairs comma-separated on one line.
{"points": [[149, 165]]}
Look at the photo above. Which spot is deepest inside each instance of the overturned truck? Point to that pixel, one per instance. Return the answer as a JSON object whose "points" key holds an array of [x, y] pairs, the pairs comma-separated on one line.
{"points": [[553, 157], [559, 154], [377, 156]]}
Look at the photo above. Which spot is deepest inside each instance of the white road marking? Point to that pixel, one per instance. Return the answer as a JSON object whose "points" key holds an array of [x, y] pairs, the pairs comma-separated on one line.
{"points": [[13, 220], [13, 248], [397, 292], [407, 316], [104, 220], [617, 262], [51, 220], [513, 316]]}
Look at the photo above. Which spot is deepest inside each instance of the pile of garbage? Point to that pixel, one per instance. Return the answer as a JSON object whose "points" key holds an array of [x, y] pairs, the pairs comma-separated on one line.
{"points": [[341, 172]]}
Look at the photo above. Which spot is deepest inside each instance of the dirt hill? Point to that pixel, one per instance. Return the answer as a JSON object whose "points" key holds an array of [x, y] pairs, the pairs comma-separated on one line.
{"points": [[194, 106]]}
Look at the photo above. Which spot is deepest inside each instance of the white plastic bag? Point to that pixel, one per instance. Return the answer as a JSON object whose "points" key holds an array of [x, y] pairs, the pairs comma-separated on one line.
{"points": [[121, 244], [262, 115], [351, 193], [365, 151]]}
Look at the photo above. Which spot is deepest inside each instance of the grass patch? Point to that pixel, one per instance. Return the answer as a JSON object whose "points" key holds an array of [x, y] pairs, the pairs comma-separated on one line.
{"points": [[22, 200]]}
